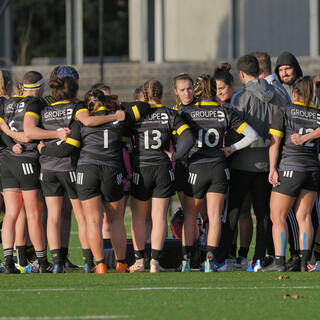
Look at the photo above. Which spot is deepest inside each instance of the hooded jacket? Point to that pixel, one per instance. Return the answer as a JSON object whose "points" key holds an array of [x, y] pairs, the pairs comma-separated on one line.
{"points": [[257, 104], [287, 58]]}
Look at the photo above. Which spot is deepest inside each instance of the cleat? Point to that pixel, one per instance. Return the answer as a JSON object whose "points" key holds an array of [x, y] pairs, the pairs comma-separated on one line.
{"points": [[138, 266], [58, 268], [122, 267], [293, 264], [254, 266], [242, 263], [101, 268], [26, 269], [209, 266], [273, 267], [11, 269], [155, 266], [268, 259], [69, 265], [46, 268], [89, 268], [222, 267], [315, 268], [185, 266]]}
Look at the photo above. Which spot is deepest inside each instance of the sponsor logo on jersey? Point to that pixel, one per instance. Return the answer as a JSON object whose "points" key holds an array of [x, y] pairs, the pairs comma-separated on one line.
{"points": [[156, 117], [208, 114], [305, 114], [58, 114]]}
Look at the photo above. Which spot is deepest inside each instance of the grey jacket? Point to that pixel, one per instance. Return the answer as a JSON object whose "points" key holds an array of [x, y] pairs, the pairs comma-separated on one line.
{"points": [[257, 104]]}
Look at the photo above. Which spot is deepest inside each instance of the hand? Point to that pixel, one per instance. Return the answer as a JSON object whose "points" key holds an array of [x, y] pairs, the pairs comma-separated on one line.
{"points": [[227, 151], [273, 177], [62, 133], [40, 146], [169, 154], [17, 148], [120, 115], [297, 139]]}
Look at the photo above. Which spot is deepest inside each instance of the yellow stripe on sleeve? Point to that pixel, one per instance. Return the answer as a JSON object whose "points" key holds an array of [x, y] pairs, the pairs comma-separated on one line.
{"points": [[33, 114], [79, 111], [124, 139], [242, 127], [136, 113], [182, 128], [73, 142], [1, 120], [275, 132]]}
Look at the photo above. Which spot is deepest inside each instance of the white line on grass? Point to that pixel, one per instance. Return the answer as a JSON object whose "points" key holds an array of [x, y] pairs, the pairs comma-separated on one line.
{"points": [[220, 288], [68, 318]]}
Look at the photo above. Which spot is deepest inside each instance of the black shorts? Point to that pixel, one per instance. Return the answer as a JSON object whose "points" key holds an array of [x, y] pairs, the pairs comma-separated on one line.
{"points": [[96, 180], [207, 177], [152, 182], [292, 182], [181, 174], [22, 173], [55, 184]]}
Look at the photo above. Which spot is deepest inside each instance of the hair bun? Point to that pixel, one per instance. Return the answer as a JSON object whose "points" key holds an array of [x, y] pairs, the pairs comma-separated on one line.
{"points": [[225, 66]]}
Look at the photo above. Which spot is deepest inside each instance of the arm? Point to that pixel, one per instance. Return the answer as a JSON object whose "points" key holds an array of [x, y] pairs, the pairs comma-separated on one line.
{"points": [[273, 159], [19, 136], [299, 139], [184, 144], [92, 121], [32, 131]]}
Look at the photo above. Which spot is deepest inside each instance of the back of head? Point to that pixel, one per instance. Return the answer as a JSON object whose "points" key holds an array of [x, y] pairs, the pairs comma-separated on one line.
{"points": [[6, 84], [32, 80], [103, 87], [94, 99], [153, 90], [303, 87], [264, 61], [138, 94], [249, 65], [223, 73], [205, 88], [62, 89]]}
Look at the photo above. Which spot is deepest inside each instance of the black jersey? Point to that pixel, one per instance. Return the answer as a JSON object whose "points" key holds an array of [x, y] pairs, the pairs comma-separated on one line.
{"points": [[101, 145], [152, 135], [13, 113], [2, 144], [297, 118], [209, 122], [53, 117]]}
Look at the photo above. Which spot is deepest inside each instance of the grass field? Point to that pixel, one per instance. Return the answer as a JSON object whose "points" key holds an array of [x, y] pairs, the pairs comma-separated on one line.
{"points": [[169, 295]]}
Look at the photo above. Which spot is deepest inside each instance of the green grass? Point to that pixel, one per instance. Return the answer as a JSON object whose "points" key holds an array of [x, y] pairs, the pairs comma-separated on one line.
{"points": [[169, 295]]}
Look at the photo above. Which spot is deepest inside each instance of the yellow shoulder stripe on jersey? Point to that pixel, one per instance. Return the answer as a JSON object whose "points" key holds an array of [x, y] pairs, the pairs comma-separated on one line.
{"points": [[18, 96], [136, 113], [275, 132], [48, 99], [1, 120], [302, 104], [157, 105], [99, 109], [208, 103], [81, 110], [33, 114], [242, 127], [182, 128], [60, 102], [124, 139], [73, 142]]}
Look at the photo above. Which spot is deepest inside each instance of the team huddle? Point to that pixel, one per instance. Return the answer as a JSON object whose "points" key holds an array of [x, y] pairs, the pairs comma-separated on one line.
{"points": [[221, 151]]}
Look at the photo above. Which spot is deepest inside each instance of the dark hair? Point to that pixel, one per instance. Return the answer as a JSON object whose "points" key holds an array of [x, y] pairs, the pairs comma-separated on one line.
{"points": [[205, 88], [101, 86], [152, 90], [303, 87], [137, 92], [264, 61], [181, 76], [94, 98], [6, 84], [223, 73], [249, 65], [32, 77], [66, 88]]}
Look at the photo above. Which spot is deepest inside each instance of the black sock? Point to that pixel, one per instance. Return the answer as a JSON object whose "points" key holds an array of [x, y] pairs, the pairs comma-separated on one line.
{"points": [[280, 260], [121, 260], [233, 250], [56, 256], [87, 256], [186, 252], [316, 250], [31, 254], [42, 257], [155, 254], [64, 255], [100, 261], [139, 254], [107, 244], [304, 256], [211, 252], [22, 255], [8, 255], [243, 252]]}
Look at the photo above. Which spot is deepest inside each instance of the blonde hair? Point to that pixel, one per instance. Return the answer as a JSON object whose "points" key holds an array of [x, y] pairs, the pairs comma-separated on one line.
{"points": [[152, 90], [5, 83]]}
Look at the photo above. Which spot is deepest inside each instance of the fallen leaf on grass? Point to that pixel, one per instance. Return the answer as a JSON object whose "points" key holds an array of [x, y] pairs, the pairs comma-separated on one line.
{"points": [[283, 278], [293, 296]]}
